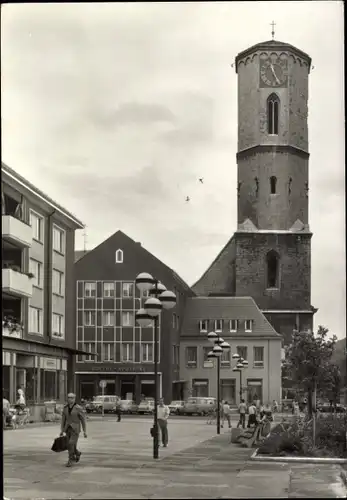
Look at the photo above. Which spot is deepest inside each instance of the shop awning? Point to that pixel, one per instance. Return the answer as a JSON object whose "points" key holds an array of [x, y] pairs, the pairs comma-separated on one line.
{"points": [[50, 344]]}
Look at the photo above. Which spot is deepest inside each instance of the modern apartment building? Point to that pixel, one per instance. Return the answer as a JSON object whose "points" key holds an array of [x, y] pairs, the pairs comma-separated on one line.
{"points": [[107, 300], [239, 321], [38, 292]]}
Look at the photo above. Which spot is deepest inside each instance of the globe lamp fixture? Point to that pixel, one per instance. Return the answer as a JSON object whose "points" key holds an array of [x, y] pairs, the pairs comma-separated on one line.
{"points": [[144, 282], [153, 306], [157, 289], [167, 299], [143, 318], [212, 336]]}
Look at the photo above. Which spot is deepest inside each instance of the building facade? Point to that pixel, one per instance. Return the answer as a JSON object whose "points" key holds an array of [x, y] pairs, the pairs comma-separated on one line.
{"points": [[269, 256], [240, 323], [38, 292], [107, 301]]}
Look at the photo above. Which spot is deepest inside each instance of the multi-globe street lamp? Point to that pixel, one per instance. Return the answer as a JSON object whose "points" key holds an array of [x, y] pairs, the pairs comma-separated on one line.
{"points": [[241, 365], [160, 298], [219, 347]]}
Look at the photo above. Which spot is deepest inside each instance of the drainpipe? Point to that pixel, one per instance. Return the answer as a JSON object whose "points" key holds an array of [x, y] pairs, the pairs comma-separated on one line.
{"points": [[48, 287]]}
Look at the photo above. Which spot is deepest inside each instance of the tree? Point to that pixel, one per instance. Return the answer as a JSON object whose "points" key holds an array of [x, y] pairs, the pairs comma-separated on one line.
{"points": [[308, 360], [333, 387]]}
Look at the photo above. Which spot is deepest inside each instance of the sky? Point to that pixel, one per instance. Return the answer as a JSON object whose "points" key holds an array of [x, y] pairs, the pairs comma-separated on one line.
{"points": [[115, 110]]}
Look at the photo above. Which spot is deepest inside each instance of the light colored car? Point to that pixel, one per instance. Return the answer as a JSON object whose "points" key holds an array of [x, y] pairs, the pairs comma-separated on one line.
{"points": [[198, 406], [128, 406], [107, 402], [146, 406], [174, 406]]}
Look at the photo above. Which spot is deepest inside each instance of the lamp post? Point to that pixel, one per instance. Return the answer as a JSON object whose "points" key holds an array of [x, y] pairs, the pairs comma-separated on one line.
{"points": [[219, 346], [241, 365], [160, 298]]}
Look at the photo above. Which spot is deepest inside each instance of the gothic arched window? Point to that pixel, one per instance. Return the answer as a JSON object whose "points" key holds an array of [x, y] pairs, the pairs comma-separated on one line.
{"points": [[272, 264], [273, 182], [119, 256], [273, 105]]}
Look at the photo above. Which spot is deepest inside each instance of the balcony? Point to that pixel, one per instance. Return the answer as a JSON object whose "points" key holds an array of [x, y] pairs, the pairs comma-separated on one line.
{"points": [[16, 231], [16, 283], [12, 328]]}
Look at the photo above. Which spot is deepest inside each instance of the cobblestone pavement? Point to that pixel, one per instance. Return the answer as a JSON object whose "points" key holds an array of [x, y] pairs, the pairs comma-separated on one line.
{"points": [[117, 463]]}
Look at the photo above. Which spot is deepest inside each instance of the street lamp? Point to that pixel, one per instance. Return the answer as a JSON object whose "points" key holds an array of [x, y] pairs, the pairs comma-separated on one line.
{"points": [[241, 365], [219, 347], [159, 298]]}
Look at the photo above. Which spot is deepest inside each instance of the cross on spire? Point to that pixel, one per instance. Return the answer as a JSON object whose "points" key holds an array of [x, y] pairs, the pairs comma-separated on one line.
{"points": [[273, 24]]}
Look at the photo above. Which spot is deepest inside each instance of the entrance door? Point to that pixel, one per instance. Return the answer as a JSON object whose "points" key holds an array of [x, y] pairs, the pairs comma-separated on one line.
{"points": [[87, 390], [147, 389], [110, 389], [127, 388]]}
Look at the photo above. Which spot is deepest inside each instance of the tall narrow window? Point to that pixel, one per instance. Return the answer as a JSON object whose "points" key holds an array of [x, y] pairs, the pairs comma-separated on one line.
{"points": [[272, 269], [273, 104], [119, 256], [273, 182]]}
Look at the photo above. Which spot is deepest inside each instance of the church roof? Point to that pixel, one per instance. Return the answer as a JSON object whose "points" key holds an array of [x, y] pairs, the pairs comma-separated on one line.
{"points": [[272, 45], [226, 308]]}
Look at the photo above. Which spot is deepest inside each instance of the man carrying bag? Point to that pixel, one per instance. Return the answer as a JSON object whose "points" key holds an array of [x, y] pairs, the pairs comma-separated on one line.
{"points": [[72, 418]]}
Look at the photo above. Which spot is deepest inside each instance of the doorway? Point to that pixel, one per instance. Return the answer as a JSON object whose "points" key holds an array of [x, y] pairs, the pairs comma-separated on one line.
{"points": [[127, 390]]}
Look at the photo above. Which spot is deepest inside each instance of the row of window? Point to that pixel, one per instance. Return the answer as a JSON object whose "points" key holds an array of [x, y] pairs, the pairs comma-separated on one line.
{"points": [[36, 268], [127, 352], [109, 319], [37, 223], [36, 322], [254, 389], [192, 356], [218, 324], [109, 289]]}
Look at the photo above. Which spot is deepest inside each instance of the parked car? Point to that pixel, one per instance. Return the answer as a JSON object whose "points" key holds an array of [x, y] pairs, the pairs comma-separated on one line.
{"points": [[128, 406], [174, 407], [197, 406], [326, 408], [107, 402], [146, 406]]}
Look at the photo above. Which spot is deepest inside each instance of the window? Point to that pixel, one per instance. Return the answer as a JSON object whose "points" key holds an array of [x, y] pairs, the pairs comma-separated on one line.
{"points": [[272, 269], [57, 325], [119, 256], [176, 355], [145, 294], [35, 320], [258, 357], [88, 347], [225, 357], [174, 320], [191, 357], [128, 290], [108, 351], [127, 318], [36, 223], [36, 270], [248, 325], [128, 352], [108, 289], [272, 114], [147, 352], [89, 318], [208, 363], [228, 390], [200, 388], [273, 183], [233, 325], [218, 325], [108, 318], [203, 325], [58, 240], [90, 289], [242, 351], [58, 282]]}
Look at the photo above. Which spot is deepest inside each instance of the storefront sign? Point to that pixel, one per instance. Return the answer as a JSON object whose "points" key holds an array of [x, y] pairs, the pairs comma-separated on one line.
{"points": [[48, 363], [147, 381], [121, 369]]}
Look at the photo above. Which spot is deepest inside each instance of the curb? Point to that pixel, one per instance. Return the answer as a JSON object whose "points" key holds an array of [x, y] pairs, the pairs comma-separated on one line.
{"points": [[303, 460]]}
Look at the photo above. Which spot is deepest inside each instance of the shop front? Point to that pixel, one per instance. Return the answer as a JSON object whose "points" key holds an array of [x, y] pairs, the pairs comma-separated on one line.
{"points": [[125, 382]]}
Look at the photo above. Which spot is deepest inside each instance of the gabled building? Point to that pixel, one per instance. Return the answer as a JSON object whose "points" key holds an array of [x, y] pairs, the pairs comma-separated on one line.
{"points": [[107, 300], [239, 321], [38, 293]]}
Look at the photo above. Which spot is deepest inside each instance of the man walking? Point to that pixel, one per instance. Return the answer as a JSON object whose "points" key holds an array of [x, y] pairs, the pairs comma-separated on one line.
{"points": [[226, 414], [252, 419], [72, 419], [163, 415], [242, 413]]}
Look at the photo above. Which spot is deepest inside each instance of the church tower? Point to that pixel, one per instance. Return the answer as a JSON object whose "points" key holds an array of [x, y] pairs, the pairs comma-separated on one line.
{"points": [[269, 256], [273, 238]]}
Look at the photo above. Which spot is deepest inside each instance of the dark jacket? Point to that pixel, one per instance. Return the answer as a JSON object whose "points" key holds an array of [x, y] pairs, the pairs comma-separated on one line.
{"points": [[73, 419]]}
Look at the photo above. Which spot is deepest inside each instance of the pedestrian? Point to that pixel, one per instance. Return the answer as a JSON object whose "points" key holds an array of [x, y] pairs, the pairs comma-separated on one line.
{"points": [[242, 414], [72, 419], [118, 410], [252, 418], [274, 406], [163, 415], [226, 414], [5, 411]]}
